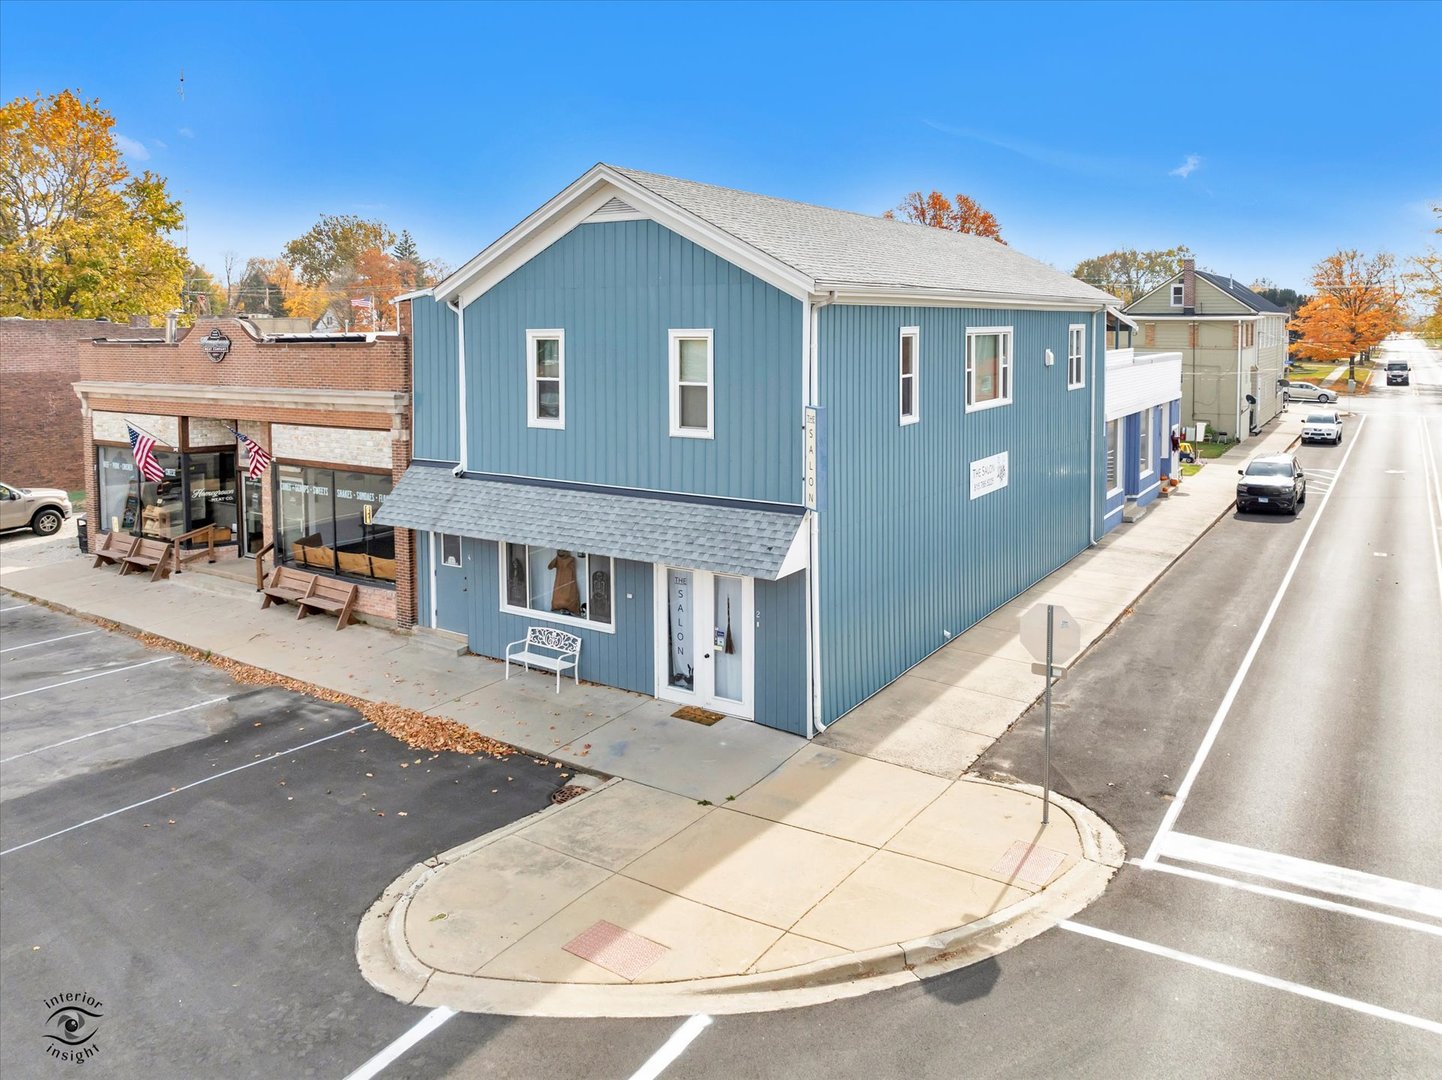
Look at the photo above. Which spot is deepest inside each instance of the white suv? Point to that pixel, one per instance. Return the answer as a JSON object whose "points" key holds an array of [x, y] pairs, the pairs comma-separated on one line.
{"points": [[1324, 426]]}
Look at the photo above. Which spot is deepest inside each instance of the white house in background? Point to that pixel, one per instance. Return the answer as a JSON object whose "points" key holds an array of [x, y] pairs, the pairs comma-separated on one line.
{"points": [[1143, 408]]}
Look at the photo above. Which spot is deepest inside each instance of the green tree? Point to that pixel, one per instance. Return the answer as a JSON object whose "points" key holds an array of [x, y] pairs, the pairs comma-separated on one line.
{"points": [[1129, 273], [1290, 299], [202, 295], [332, 246], [79, 235]]}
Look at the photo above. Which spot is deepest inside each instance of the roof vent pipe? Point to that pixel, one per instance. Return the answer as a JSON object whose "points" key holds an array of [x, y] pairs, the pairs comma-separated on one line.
{"points": [[170, 322]]}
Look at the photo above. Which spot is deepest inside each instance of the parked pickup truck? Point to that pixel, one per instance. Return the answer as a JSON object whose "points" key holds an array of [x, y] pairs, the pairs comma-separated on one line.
{"points": [[1398, 373], [1323, 425]]}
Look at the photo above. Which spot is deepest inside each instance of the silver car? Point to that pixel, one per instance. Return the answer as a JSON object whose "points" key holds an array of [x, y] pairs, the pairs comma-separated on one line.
{"points": [[42, 510], [1305, 391]]}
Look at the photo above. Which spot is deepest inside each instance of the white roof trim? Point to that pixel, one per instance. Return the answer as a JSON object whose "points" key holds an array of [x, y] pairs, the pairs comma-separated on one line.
{"points": [[578, 201], [881, 296], [1117, 313], [414, 294]]}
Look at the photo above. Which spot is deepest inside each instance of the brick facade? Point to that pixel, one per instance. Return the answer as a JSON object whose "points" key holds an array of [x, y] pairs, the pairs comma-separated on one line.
{"points": [[42, 442], [325, 402]]}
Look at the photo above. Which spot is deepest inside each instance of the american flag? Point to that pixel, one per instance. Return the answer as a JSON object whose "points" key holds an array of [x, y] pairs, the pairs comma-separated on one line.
{"points": [[142, 448], [259, 457]]}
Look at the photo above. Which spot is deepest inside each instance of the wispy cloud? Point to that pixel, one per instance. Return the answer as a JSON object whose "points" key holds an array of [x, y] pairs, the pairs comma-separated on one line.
{"points": [[1186, 168], [1043, 155], [159, 144], [131, 147], [187, 133]]}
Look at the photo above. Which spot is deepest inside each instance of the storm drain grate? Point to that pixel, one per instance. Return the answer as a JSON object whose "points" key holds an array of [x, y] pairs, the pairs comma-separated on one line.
{"points": [[1029, 862], [608, 946]]}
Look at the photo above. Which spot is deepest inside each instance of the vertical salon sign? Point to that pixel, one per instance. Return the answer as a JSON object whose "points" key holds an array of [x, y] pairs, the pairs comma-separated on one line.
{"points": [[678, 589]]}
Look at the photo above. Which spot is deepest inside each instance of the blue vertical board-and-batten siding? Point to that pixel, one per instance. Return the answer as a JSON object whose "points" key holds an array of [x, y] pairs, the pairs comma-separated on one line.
{"points": [[435, 415], [616, 289], [906, 555], [780, 646]]}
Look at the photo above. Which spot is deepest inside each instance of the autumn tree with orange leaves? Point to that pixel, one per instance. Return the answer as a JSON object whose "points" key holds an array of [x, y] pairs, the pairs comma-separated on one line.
{"points": [[1356, 305], [963, 215]]}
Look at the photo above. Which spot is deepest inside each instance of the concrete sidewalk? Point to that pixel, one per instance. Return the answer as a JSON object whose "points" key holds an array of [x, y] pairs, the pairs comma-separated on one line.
{"points": [[722, 868]]}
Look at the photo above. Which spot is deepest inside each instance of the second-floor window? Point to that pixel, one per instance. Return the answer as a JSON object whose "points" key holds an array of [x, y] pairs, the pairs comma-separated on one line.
{"points": [[1178, 295], [546, 378], [988, 367], [909, 359], [692, 376], [1076, 356]]}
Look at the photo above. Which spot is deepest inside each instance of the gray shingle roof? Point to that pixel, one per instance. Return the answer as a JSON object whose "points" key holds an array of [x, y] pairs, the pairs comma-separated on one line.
{"points": [[839, 248], [1237, 291], [722, 538]]}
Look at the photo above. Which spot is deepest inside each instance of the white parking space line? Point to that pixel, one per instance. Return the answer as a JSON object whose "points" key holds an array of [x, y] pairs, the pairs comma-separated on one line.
{"points": [[1325, 996], [49, 641], [86, 678], [117, 727], [187, 787], [1292, 897], [427, 1024], [12, 607], [1305, 874], [672, 1048], [1175, 809]]}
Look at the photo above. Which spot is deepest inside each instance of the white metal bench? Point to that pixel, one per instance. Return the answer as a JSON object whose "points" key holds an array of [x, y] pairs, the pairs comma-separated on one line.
{"points": [[562, 653]]}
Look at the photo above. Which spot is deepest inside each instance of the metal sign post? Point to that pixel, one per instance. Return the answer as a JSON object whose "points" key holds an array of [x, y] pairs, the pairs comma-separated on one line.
{"points": [[1047, 629], [1046, 784]]}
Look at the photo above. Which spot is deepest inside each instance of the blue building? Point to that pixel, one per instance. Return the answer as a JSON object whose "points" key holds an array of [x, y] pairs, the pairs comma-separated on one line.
{"points": [[762, 457], [1143, 413]]}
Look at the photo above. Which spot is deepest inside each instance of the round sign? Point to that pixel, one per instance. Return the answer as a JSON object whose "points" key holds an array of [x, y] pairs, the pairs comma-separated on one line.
{"points": [[215, 345]]}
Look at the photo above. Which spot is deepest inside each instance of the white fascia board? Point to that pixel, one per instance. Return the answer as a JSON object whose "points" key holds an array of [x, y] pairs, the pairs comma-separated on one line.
{"points": [[1123, 317], [414, 294], [798, 555], [1205, 318], [889, 296], [576, 203]]}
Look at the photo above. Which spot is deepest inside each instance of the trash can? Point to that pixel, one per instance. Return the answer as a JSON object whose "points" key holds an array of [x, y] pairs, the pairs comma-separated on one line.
{"points": [[82, 535]]}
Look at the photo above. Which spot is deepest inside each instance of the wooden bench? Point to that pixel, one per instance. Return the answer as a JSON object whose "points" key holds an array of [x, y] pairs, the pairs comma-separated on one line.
{"points": [[147, 554], [561, 653], [329, 595], [286, 585], [113, 547]]}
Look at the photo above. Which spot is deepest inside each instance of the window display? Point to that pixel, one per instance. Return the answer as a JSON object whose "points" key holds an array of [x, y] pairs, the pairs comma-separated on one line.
{"points": [[556, 581], [325, 520]]}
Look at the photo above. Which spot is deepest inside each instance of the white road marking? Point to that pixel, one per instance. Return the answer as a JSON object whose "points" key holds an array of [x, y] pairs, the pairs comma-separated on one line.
{"points": [[427, 1024], [49, 641], [12, 607], [86, 678], [187, 787], [1299, 898], [672, 1048], [1175, 809], [1254, 977], [117, 727], [1433, 483]]}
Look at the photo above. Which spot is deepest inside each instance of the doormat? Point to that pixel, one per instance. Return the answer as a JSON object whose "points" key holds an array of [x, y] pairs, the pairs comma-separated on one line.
{"points": [[1029, 862], [607, 945], [697, 715]]}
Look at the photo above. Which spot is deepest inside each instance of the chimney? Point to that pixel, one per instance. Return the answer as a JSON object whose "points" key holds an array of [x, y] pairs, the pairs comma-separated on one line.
{"points": [[1189, 285], [170, 319]]}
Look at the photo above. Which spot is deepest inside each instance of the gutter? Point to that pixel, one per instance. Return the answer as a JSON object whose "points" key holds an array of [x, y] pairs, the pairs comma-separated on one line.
{"points": [[463, 447], [814, 726]]}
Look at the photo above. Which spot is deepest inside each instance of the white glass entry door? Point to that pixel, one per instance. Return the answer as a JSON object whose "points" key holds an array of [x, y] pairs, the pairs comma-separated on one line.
{"points": [[704, 639]]}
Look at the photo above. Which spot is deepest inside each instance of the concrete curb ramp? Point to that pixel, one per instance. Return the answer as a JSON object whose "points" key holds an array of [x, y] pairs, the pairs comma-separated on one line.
{"points": [[388, 958]]}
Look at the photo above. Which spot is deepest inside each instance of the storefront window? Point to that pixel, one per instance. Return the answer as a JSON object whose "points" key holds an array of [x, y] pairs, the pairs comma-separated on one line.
{"points": [[134, 505], [119, 492], [553, 582], [210, 487], [326, 521]]}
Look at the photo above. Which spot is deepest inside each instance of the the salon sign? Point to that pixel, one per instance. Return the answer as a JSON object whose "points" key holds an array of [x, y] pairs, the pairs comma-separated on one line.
{"points": [[990, 474]]}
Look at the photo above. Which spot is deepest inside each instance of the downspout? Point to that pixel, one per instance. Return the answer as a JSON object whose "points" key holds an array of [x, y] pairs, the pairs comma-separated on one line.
{"points": [[814, 726], [1237, 427], [463, 444], [1092, 427]]}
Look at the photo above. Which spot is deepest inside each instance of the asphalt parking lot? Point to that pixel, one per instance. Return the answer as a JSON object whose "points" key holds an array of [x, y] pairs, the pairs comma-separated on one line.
{"points": [[194, 855]]}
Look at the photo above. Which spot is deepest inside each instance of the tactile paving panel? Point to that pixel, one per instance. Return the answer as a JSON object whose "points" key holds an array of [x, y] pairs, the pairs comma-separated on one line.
{"points": [[609, 946], [1029, 862]]}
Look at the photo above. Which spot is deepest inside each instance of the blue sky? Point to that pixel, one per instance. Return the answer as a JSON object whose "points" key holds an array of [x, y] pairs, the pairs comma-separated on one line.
{"points": [[1262, 135]]}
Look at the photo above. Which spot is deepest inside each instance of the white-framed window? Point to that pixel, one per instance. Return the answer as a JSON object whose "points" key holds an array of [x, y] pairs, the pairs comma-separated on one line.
{"points": [[988, 367], [450, 549], [546, 378], [692, 369], [1076, 356], [908, 374], [558, 585], [1179, 292], [1144, 444], [1114, 447]]}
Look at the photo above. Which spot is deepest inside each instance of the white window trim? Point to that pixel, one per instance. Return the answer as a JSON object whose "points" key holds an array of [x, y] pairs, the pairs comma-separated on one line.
{"points": [[1076, 362], [551, 616], [1121, 430], [1179, 295], [1146, 443], [1005, 370], [532, 420], [673, 378], [905, 418]]}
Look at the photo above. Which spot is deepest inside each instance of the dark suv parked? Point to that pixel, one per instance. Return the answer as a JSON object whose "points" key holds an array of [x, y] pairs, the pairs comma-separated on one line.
{"points": [[1271, 482], [1398, 373]]}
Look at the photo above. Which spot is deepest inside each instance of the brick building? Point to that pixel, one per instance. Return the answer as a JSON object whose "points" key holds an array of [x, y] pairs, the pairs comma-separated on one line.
{"points": [[40, 432], [333, 410]]}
